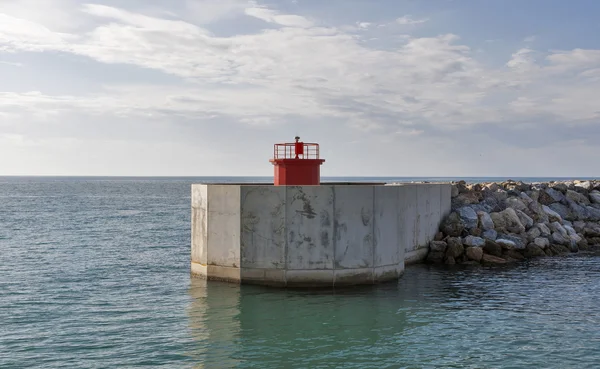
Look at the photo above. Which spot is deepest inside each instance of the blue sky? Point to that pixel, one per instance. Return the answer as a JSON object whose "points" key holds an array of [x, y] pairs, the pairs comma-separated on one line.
{"points": [[388, 88]]}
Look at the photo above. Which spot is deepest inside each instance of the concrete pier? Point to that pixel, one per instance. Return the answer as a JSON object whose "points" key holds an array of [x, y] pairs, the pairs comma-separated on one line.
{"points": [[327, 235]]}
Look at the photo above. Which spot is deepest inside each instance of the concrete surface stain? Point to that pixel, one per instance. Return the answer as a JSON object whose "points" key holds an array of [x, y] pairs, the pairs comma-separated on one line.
{"points": [[365, 216]]}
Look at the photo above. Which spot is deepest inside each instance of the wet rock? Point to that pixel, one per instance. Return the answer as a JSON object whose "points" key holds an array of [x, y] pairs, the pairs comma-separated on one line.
{"points": [[455, 247], [468, 216], [541, 242], [485, 220], [559, 249], [453, 225], [474, 253], [491, 259], [577, 197], [533, 251], [438, 236], [583, 244], [438, 246], [435, 257], [450, 260], [473, 241], [514, 254], [552, 215], [525, 219], [492, 248], [490, 234], [595, 197]]}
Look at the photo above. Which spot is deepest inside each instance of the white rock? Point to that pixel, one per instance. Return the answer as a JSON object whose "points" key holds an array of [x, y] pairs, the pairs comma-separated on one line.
{"points": [[473, 241], [587, 185], [552, 215], [485, 220], [541, 242]]}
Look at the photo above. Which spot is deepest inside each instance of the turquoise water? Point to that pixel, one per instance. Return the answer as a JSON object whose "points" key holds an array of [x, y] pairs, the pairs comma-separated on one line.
{"points": [[94, 272]]}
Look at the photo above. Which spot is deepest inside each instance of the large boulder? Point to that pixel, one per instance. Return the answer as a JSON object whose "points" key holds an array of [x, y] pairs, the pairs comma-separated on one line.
{"points": [[595, 197], [541, 242], [438, 246], [557, 227], [506, 244], [491, 259], [592, 230], [485, 221], [559, 186], [519, 241], [593, 213], [492, 248], [435, 257], [560, 239], [455, 247], [552, 215], [515, 203], [453, 225], [533, 233], [550, 195], [562, 210], [533, 251], [473, 241], [579, 226], [468, 216], [580, 212], [577, 197], [507, 221], [525, 219], [474, 253], [490, 234], [544, 229], [537, 210]]}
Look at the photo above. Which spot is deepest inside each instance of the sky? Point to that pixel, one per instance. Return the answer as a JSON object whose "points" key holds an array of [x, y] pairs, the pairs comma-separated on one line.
{"points": [[387, 88]]}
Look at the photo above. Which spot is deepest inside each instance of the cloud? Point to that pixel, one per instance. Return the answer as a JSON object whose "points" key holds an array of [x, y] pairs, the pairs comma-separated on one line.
{"points": [[408, 20], [303, 71], [272, 16]]}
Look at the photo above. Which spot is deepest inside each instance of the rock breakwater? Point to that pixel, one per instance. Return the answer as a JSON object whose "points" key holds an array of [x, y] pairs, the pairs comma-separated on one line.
{"points": [[498, 223]]}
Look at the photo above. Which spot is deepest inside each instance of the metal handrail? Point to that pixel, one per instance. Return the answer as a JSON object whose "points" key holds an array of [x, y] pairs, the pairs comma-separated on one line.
{"points": [[288, 151]]}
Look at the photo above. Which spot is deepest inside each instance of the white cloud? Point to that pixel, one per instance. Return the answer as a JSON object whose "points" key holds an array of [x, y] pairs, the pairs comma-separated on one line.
{"points": [[272, 16], [408, 20], [298, 72]]}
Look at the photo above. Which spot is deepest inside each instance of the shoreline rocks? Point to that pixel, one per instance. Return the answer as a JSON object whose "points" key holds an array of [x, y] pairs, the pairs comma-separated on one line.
{"points": [[499, 223]]}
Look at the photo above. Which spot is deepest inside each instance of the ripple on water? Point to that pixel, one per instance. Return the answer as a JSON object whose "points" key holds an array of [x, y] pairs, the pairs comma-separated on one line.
{"points": [[96, 274]]}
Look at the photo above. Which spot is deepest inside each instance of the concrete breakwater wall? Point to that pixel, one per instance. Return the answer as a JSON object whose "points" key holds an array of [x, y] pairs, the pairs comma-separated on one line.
{"points": [[496, 223], [313, 235]]}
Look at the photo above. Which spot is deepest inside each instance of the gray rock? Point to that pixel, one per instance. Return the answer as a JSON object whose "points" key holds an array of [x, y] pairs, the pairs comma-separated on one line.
{"points": [[577, 197], [485, 220], [593, 213], [474, 253], [552, 215], [511, 221], [468, 216], [579, 226], [453, 225], [525, 219], [595, 197], [533, 233], [541, 242], [562, 210], [454, 192], [535, 195], [560, 239], [473, 241], [559, 187], [555, 195], [506, 244], [519, 241], [586, 185], [579, 212], [450, 260], [538, 212], [546, 232], [490, 234], [557, 227], [515, 203], [438, 246], [592, 230], [533, 251], [575, 240], [525, 198], [455, 247], [570, 230]]}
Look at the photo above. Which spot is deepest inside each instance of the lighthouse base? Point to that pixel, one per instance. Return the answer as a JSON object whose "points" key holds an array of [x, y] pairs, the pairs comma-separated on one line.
{"points": [[312, 236]]}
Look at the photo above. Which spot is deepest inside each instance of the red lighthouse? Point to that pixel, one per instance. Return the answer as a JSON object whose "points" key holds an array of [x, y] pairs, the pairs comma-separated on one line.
{"points": [[297, 164]]}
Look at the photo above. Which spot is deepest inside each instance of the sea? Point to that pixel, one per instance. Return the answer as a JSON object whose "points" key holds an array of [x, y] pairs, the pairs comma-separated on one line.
{"points": [[94, 273]]}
